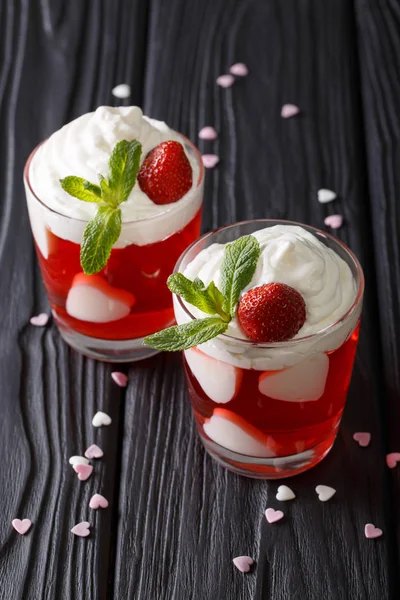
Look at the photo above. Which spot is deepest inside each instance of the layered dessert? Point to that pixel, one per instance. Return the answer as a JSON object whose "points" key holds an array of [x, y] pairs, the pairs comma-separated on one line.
{"points": [[124, 296], [273, 384]]}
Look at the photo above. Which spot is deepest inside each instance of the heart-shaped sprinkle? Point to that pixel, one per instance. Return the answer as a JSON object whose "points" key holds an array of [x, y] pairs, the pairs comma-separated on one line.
{"points": [[372, 532], [78, 460], [123, 90], [210, 160], [208, 133], [94, 452], [392, 459], [334, 221], [120, 378], [273, 515], [40, 320], [84, 471], [98, 501], [363, 438], [225, 81], [243, 563], [325, 196], [289, 110], [100, 419], [285, 493], [239, 69], [81, 529], [325, 492], [22, 526]]}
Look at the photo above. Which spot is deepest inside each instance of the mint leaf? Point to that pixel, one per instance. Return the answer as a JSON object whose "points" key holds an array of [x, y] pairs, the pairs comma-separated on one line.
{"points": [[123, 168], [81, 188], [209, 300], [99, 236], [192, 293], [237, 269], [217, 297], [183, 337]]}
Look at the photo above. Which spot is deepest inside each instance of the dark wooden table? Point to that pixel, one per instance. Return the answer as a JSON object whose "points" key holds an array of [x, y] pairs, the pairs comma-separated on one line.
{"points": [[176, 519]]}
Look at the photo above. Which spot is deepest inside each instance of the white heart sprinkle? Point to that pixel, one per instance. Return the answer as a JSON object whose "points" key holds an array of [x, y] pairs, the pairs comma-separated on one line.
{"points": [[285, 493], [101, 418], [123, 90], [325, 492], [78, 460], [325, 196], [39, 320]]}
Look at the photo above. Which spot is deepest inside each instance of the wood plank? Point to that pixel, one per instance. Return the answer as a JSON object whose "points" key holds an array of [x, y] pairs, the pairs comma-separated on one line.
{"points": [[183, 518], [379, 43], [57, 60]]}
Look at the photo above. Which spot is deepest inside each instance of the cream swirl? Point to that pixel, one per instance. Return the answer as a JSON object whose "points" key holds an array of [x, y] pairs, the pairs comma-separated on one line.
{"points": [[82, 148], [294, 256]]}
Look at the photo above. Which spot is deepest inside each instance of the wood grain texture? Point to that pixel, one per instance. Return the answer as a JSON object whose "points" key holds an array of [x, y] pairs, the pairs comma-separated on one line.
{"points": [[192, 517], [176, 519], [379, 43], [48, 75]]}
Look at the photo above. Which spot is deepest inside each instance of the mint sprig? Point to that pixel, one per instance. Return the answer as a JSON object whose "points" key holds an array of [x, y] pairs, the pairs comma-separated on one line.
{"points": [[237, 270], [104, 229]]}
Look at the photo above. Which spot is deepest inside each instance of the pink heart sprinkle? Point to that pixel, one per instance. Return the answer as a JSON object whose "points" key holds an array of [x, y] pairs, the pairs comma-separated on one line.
{"points": [[84, 471], [273, 515], [289, 110], [22, 526], [98, 501], [392, 459], [94, 452], [372, 532], [243, 563], [40, 320], [208, 133], [81, 529], [225, 81], [334, 221], [239, 69], [363, 438], [120, 378], [210, 160]]}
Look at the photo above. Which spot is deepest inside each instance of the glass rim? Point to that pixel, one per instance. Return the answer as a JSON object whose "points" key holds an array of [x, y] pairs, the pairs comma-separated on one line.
{"points": [[130, 222], [294, 341]]}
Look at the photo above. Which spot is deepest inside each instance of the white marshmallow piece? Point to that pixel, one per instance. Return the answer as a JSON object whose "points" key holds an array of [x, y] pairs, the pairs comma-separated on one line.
{"points": [[230, 435], [218, 379], [303, 382], [87, 303]]}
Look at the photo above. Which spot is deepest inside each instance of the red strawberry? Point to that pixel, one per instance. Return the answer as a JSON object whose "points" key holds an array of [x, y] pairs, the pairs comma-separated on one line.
{"points": [[273, 312], [165, 175]]}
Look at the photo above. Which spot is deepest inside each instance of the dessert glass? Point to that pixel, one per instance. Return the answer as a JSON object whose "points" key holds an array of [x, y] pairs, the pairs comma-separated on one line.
{"points": [[272, 410], [107, 315]]}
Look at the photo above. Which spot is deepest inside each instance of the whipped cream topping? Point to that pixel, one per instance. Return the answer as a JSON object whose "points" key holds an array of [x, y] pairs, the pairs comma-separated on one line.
{"points": [[294, 256], [82, 148]]}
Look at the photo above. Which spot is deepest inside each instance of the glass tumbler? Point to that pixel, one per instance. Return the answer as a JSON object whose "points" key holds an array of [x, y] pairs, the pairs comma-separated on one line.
{"points": [[107, 315], [272, 410]]}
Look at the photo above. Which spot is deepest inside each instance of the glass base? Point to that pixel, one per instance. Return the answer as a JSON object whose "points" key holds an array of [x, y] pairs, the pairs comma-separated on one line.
{"points": [[116, 351], [269, 468]]}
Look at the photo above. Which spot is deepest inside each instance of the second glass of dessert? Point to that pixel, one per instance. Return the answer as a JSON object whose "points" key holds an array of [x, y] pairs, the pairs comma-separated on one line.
{"points": [[268, 316], [114, 198]]}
